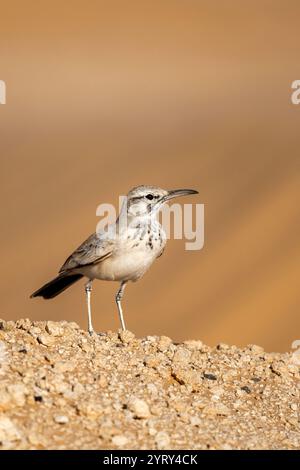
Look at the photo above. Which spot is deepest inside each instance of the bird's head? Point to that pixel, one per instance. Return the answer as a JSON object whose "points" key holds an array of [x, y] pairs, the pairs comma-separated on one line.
{"points": [[144, 201]]}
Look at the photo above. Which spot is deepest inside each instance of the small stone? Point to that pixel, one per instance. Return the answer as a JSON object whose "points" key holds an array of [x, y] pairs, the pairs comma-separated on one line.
{"points": [[34, 438], [46, 340], [217, 409], [182, 355], [295, 357], [293, 369], [35, 331], [139, 408], [54, 328], [91, 410], [8, 325], [61, 419], [209, 376], [152, 360], [86, 346], [162, 440], [246, 389], [178, 405], [102, 381], [229, 375], [195, 420], [6, 401], [3, 357], [293, 421], [126, 336], [277, 368], [226, 447], [17, 393], [223, 347], [151, 339], [217, 390], [8, 430], [119, 441], [294, 406], [78, 389], [196, 345], [152, 431], [23, 324], [152, 389], [256, 349], [184, 376], [164, 343], [60, 386]]}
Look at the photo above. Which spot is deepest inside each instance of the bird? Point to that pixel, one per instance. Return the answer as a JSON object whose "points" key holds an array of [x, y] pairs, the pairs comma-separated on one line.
{"points": [[122, 252]]}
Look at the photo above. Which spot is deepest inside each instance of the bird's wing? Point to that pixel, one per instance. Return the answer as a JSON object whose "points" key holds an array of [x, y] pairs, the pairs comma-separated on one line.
{"points": [[92, 251]]}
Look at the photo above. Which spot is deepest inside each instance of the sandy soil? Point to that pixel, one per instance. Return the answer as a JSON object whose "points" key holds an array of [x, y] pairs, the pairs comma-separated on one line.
{"points": [[61, 389]]}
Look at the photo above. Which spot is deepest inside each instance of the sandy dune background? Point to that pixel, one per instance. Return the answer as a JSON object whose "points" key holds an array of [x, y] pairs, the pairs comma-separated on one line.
{"points": [[103, 96]]}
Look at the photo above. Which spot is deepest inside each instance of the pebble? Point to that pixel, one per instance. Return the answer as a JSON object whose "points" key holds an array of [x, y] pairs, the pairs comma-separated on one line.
{"points": [[90, 409], [196, 345], [17, 393], [182, 355], [46, 340], [256, 349], [126, 336], [209, 376], [185, 376], [61, 419], [152, 389], [153, 360], [217, 409], [195, 420], [6, 401], [119, 441], [162, 440], [139, 408], [164, 343], [8, 430], [24, 324], [54, 328], [223, 347], [295, 358]]}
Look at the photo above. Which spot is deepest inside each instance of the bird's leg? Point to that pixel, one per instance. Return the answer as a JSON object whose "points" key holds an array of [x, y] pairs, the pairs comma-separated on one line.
{"points": [[88, 290], [119, 296]]}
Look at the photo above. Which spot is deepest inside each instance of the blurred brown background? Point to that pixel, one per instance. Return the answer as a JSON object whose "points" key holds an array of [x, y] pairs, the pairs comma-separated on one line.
{"points": [[103, 96]]}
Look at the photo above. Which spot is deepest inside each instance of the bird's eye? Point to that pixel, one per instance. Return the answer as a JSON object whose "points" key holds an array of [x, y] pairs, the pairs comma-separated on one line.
{"points": [[149, 196]]}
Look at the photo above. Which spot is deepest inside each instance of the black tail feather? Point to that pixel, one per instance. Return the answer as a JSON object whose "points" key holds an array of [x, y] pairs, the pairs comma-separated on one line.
{"points": [[56, 286]]}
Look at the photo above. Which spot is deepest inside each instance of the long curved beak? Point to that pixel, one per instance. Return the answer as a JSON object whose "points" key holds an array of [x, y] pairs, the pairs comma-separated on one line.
{"points": [[179, 192]]}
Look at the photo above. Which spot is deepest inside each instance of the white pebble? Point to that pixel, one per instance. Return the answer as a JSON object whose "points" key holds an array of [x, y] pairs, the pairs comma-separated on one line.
{"points": [[119, 441], [139, 407], [61, 419]]}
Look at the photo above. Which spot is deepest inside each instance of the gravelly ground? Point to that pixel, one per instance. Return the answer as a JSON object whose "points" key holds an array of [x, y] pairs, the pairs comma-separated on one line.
{"points": [[61, 389]]}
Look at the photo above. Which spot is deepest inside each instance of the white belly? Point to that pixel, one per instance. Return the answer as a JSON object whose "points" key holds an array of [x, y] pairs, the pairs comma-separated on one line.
{"points": [[122, 266], [125, 267], [131, 258]]}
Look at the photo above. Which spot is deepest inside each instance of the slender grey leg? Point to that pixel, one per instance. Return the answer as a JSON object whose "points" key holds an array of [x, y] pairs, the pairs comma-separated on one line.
{"points": [[119, 296], [88, 290]]}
